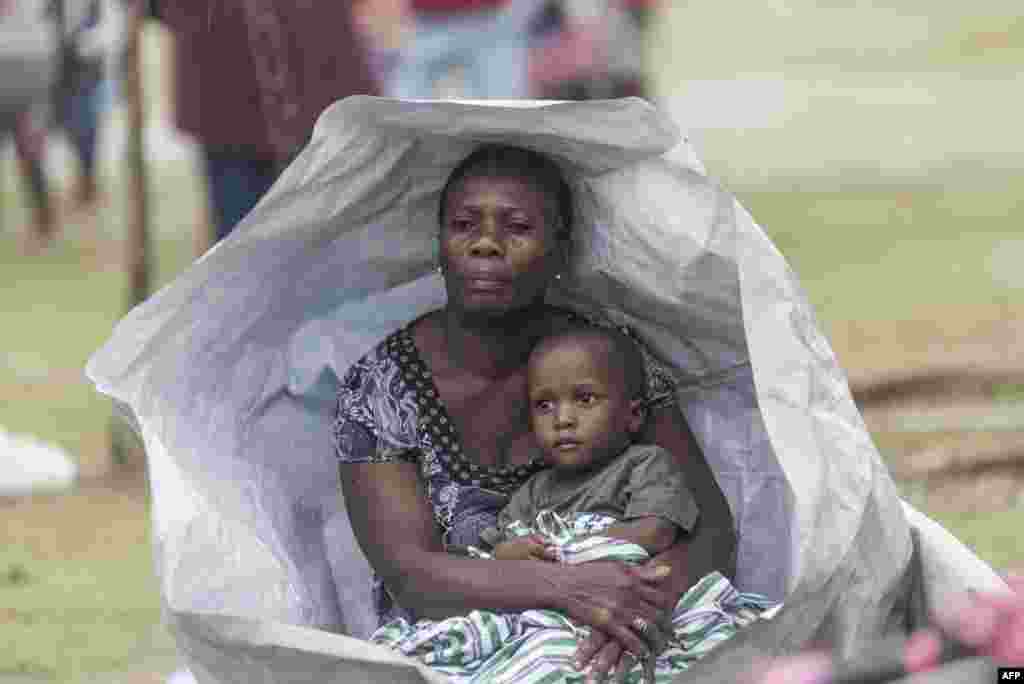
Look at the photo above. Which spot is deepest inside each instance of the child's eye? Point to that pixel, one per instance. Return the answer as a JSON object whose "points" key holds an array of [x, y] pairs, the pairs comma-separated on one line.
{"points": [[520, 227], [460, 225], [587, 398], [542, 405]]}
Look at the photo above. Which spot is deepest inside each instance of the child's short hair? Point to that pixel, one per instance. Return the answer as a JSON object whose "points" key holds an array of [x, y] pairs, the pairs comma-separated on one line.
{"points": [[620, 351]]}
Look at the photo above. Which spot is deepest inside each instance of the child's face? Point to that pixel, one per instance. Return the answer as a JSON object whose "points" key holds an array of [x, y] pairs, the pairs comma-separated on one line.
{"points": [[579, 410]]}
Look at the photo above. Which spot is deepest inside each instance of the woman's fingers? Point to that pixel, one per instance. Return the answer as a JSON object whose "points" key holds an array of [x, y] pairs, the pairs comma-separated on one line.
{"points": [[605, 662], [652, 588], [628, 638], [610, 597], [655, 635], [589, 648], [661, 600], [626, 663]]}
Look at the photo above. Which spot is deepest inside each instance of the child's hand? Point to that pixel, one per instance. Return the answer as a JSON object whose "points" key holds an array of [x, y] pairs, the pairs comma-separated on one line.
{"points": [[530, 547]]}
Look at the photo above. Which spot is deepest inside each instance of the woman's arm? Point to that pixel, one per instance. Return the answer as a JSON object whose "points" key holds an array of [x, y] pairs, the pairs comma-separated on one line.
{"points": [[396, 530], [395, 527]]}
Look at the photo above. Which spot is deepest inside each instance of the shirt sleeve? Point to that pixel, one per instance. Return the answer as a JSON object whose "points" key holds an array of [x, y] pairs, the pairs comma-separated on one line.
{"points": [[522, 506], [356, 433], [657, 487]]}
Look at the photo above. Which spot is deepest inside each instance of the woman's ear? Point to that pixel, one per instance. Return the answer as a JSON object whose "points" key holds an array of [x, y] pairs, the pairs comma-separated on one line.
{"points": [[637, 415], [563, 250]]}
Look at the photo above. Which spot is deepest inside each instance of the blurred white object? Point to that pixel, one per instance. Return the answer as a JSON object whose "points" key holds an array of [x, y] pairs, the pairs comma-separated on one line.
{"points": [[182, 676], [27, 465]]}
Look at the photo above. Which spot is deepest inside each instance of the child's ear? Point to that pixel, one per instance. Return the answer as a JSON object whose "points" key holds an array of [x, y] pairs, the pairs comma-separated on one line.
{"points": [[637, 415]]}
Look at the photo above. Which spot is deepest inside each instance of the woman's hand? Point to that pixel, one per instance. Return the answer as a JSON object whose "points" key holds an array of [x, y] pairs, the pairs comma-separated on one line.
{"points": [[605, 655], [627, 604]]}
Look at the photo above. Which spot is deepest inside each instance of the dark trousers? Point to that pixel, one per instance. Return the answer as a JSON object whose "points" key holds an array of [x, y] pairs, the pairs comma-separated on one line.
{"points": [[235, 182]]}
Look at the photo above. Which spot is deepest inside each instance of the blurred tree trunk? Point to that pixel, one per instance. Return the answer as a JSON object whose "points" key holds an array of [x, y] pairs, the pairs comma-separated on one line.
{"points": [[126, 449]]}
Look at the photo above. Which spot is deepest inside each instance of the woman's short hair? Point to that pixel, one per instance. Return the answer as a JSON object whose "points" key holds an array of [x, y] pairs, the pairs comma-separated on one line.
{"points": [[508, 161]]}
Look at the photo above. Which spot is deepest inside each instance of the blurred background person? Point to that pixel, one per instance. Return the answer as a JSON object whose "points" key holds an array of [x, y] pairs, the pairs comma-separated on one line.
{"points": [[487, 41], [91, 35], [250, 79], [30, 152], [383, 27], [590, 49], [27, 66]]}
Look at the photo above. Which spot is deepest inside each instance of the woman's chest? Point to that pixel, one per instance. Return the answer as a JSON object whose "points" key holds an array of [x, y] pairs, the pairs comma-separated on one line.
{"points": [[492, 419]]}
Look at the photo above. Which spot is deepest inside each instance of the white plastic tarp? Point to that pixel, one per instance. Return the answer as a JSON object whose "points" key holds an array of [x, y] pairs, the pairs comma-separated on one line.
{"points": [[229, 373]]}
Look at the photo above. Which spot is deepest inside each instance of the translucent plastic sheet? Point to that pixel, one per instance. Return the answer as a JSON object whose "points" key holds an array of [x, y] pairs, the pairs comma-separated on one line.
{"points": [[229, 373]]}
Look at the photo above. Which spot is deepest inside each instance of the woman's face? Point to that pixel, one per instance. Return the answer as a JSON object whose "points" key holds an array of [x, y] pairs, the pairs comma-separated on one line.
{"points": [[499, 247]]}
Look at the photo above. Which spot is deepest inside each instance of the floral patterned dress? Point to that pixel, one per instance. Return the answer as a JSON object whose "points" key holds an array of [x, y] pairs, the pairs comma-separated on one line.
{"points": [[389, 410]]}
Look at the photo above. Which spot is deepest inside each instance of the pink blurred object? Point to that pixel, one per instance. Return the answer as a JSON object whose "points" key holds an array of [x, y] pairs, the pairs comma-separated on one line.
{"points": [[589, 48], [571, 53]]}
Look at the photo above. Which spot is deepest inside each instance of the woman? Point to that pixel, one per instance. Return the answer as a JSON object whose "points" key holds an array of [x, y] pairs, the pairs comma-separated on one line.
{"points": [[505, 228]]}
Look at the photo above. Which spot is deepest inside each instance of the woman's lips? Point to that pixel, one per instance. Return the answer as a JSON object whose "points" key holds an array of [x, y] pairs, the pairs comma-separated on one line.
{"points": [[485, 284], [566, 445]]}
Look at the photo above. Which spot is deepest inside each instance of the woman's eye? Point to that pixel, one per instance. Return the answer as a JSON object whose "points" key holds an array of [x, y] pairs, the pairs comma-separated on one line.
{"points": [[587, 398], [543, 405]]}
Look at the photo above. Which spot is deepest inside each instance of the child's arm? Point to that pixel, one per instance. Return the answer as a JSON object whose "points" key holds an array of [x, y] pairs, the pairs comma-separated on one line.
{"points": [[522, 506], [654, 534], [660, 502], [530, 547]]}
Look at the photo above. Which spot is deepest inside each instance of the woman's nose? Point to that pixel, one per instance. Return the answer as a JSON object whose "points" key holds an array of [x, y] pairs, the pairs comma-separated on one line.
{"points": [[485, 247], [487, 242]]}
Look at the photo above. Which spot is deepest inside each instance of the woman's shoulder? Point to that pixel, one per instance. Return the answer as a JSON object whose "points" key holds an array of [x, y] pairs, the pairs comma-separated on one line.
{"points": [[385, 356]]}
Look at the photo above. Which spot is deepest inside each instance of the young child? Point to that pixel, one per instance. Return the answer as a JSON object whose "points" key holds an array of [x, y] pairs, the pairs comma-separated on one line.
{"points": [[603, 498], [586, 390]]}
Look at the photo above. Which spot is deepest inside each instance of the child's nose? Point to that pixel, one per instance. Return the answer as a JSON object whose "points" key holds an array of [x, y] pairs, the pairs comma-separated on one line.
{"points": [[565, 416]]}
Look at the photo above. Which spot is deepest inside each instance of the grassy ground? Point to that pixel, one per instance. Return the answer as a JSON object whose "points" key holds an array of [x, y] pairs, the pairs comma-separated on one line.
{"points": [[901, 275], [77, 590], [704, 39]]}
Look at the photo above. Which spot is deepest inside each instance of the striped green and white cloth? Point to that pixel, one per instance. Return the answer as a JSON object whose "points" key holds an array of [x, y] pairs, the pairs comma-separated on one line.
{"points": [[537, 646]]}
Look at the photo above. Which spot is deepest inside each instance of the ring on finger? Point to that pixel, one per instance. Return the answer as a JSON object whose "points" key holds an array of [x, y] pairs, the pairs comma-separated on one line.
{"points": [[640, 625]]}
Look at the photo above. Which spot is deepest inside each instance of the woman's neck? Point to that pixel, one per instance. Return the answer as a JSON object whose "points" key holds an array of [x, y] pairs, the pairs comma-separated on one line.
{"points": [[492, 346]]}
